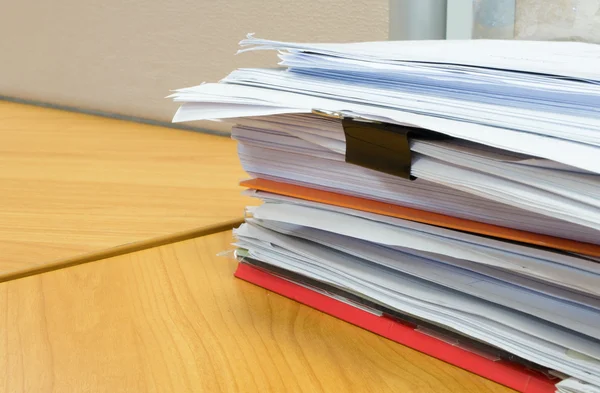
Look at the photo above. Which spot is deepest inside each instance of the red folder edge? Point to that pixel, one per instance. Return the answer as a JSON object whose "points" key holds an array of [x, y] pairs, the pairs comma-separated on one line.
{"points": [[504, 373]]}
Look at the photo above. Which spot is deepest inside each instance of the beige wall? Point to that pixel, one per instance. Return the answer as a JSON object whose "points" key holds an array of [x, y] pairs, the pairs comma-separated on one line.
{"points": [[123, 56]]}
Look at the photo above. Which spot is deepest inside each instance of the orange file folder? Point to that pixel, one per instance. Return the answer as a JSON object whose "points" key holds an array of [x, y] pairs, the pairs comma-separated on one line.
{"points": [[388, 209]]}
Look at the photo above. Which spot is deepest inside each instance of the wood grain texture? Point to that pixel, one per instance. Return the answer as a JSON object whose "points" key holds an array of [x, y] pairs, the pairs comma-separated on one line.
{"points": [[173, 319], [74, 184]]}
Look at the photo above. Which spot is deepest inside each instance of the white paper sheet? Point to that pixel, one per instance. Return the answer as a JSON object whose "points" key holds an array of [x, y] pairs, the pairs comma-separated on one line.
{"points": [[566, 314], [567, 126], [499, 274], [568, 274], [571, 59], [574, 385], [561, 150]]}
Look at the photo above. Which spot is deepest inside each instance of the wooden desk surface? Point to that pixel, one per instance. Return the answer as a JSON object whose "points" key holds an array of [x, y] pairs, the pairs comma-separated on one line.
{"points": [[173, 319], [74, 184]]}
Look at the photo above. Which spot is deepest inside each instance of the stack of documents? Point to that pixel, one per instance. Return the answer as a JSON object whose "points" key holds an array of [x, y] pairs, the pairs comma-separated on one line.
{"points": [[443, 194]]}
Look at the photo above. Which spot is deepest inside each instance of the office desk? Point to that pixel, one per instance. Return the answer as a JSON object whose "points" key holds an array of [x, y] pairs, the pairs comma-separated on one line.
{"points": [[76, 189], [173, 319], [74, 185]]}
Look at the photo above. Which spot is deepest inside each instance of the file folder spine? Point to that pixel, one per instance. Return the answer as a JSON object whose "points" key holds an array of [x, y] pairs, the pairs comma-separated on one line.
{"points": [[510, 375]]}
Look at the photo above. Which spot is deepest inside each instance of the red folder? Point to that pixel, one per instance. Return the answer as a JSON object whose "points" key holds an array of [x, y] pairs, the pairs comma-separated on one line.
{"points": [[508, 374], [388, 209]]}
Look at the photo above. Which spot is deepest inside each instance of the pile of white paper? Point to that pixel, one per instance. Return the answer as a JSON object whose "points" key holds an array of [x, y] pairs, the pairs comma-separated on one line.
{"points": [[443, 279], [461, 178], [524, 118]]}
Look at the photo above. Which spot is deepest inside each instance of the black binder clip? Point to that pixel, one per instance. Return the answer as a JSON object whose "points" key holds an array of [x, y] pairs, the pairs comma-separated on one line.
{"points": [[383, 147]]}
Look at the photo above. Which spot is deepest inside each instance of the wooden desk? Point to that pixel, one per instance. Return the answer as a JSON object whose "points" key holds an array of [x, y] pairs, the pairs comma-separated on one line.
{"points": [[173, 319], [72, 185]]}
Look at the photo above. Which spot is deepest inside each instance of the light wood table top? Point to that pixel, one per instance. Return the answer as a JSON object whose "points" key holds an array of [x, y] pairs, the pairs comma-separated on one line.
{"points": [[174, 319], [72, 185]]}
